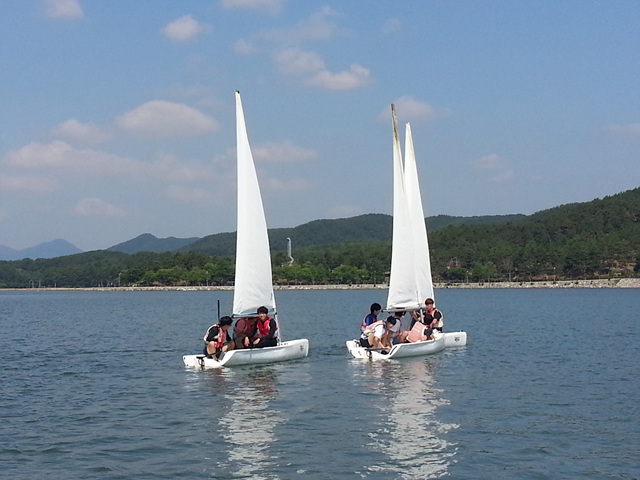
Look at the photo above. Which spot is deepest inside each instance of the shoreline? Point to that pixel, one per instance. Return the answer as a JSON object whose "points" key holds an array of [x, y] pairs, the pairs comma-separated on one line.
{"points": [[607, 283]]}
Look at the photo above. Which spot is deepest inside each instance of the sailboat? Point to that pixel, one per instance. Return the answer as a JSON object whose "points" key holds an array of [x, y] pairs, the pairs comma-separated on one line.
{"points": [[410, 281], [253, 278]]}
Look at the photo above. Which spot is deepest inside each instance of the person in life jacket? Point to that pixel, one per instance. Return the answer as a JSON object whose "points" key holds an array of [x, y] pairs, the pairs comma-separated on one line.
{"points": [[372, 318], [216, 341], [377, 334], [419, 333], [245, 331], [267, 330], [433, 316]]}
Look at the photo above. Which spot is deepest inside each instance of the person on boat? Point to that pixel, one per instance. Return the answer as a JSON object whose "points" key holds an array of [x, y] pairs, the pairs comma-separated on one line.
{"points": [[416, 316], [419, 333], [433, 316], [376, 335], [372, 318], [267, 330], [245, 331], [216, 341], [397, 328]]}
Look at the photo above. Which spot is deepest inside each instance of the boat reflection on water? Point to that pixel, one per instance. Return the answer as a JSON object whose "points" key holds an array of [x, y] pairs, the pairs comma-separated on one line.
{"points": [[247, 425], [406, 439]]}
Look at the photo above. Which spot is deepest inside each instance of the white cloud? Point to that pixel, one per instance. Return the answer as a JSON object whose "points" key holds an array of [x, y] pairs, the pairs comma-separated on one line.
{"points": [[95, 207], [63, 9], [293, 61], [61, 156], [27, 184], [81, 132], [183, 29], [268, 6], [285, 186], [318, 27], [410, 109], [170, 168], [357, 76], [285, 152], [161, 119]]}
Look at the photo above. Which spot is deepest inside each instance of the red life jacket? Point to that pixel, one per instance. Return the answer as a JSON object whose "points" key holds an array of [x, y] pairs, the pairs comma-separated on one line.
{"points": [[220, 339], [264, 327], [364, 325], [243, 328]]}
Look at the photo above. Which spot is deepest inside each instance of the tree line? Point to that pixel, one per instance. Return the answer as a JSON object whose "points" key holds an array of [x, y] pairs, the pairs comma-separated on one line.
{"points": [[597, 239]]}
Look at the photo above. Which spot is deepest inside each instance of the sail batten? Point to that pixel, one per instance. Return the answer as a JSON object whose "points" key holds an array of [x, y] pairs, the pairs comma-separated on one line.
{"points": [[253, 277]]}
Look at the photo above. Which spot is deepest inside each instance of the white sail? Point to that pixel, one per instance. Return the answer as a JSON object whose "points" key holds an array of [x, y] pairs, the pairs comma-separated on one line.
{"points": [[253, 280], [403, 294], [422, 262]]}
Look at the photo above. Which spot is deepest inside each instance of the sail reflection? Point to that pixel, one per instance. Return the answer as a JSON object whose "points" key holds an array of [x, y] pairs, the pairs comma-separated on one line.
{"points": [[248, 426], [406, 432]]}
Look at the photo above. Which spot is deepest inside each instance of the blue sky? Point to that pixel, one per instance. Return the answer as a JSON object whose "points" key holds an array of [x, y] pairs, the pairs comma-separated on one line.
{"points": [[118, 117]]}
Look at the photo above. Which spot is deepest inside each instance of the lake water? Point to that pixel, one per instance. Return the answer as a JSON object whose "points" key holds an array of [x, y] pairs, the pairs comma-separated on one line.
{"points": [[93, 386]]}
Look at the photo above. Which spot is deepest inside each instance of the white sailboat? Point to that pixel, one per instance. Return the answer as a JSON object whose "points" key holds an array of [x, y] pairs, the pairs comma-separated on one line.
{"points": [[253, 277], [410, 281]]}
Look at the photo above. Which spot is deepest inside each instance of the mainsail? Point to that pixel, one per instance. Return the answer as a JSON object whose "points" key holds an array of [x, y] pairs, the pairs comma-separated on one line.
{"points": [[253, 280], [403, 294]]}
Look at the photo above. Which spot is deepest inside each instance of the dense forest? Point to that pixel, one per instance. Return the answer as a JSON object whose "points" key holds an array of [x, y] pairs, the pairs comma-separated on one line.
{"points": [[597, 239]]}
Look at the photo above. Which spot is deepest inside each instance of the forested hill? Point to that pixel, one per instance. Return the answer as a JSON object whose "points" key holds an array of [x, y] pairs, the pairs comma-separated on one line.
{"points": [[595, 239], [367, 227]]}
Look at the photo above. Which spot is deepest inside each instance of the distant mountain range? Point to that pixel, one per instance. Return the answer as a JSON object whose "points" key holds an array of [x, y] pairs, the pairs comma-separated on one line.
{"points": [[317, 232], [55, 248]]}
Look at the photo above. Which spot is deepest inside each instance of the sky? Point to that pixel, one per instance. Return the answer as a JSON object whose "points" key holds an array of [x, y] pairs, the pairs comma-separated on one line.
{"points": [[118, 117]]}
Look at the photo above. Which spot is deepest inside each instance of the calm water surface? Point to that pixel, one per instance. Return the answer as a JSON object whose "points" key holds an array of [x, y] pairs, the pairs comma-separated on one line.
{"points": [[92, 386]]}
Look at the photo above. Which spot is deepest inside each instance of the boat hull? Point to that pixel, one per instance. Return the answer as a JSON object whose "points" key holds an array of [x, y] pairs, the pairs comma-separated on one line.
{"points": [[455, 339], [400, 350], [291, 350]]}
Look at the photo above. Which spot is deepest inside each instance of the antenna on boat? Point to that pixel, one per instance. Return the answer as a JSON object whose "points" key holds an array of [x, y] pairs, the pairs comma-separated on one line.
{"points": [[289, 251], [218, 309]]}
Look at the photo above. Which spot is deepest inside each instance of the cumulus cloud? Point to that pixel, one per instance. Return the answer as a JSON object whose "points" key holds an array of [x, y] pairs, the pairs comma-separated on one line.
{"points": [[81, 132], [285, 186], [285, 152], [95, 207], [357, 76], [161, 119], [293, 61], [63, 9], [61, 156], [245, 47], [267, 6], [318, 27], [411, 109], [183, 29]]}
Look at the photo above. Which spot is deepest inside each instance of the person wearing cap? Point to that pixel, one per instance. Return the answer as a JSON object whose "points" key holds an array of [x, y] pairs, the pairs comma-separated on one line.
{"points": [[216, 341]]}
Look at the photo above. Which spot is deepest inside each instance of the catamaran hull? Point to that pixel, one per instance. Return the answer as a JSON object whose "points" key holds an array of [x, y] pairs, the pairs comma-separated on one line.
{"points": [[291, 350], [400, 350], [455, 339]]}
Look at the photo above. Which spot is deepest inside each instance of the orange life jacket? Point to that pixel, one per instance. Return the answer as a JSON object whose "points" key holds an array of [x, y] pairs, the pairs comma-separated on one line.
{"points": [[369, 329], [222, 336]]}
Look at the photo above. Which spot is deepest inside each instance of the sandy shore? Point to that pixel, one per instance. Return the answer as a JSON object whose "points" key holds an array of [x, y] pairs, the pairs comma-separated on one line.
{"points": [[609, 283]]}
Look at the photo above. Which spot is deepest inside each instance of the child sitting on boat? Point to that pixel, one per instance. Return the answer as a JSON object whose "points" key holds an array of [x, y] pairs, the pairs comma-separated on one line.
{"points": [[216, 340]]}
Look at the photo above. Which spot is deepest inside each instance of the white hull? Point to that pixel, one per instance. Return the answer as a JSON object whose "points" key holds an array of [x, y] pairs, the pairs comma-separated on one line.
{"points": [[455, 339], [400, 350], [291, 350]]}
